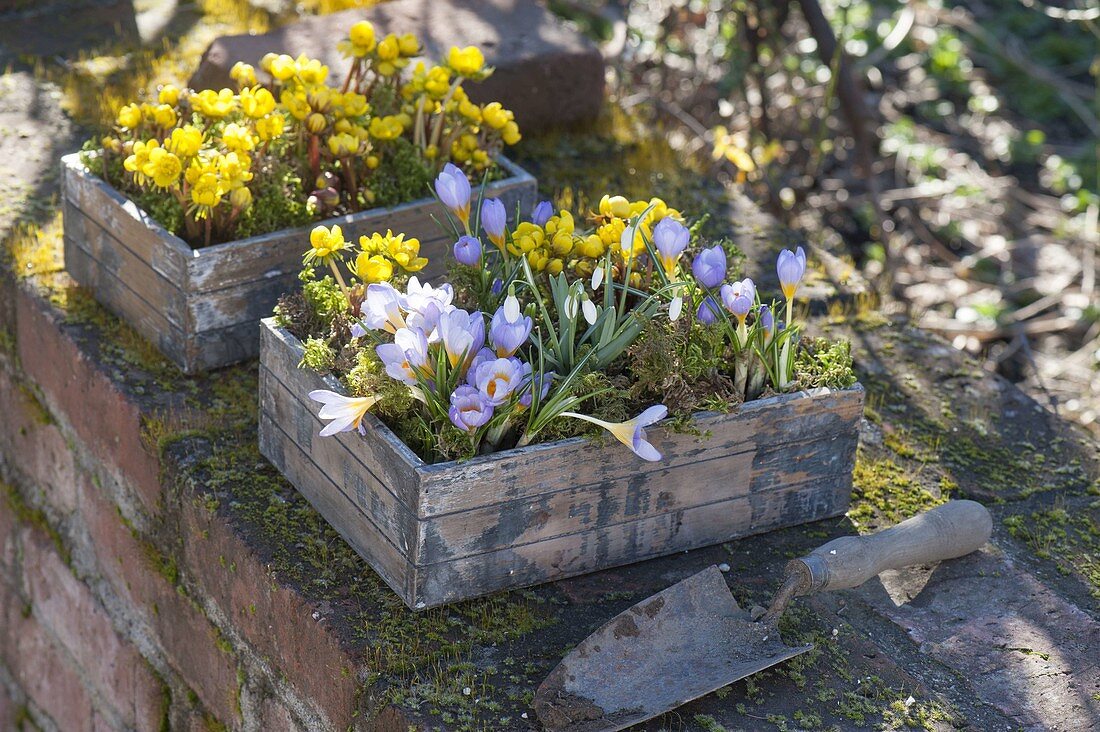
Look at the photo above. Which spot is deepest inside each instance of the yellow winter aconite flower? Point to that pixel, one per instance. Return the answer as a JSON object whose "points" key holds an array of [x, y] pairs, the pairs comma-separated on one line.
{"points": [[238, 138], [164, 116], [466, 61], [360, 41], [135, 163], [343, 145], [325, 245], [373, 268], [310, 70], [206, 191], [616, 206], [163, 167], [243, 74], [386, 128], [233, 169], [214, 104], [129, 117], [281, 67], [390, 48], [271, 126], [408, 45], [169, 94], [726, 146], [256, 102], [185, 141]]}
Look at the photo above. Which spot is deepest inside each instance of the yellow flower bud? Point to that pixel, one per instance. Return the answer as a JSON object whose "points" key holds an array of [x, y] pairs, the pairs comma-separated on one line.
{"points": [[510, 133], [616, 206], [390, 48], [343, 145], [408, 45], [372, 161], [361, 36], [316, 123], [240, 198]]}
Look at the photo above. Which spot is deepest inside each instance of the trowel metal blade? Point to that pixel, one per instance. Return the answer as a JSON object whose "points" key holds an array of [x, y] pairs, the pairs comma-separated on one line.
{"points": [[676, 646]]}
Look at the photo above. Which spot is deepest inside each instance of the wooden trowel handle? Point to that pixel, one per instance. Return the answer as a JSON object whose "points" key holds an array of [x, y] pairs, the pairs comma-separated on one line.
{"points": [[951, 530]]}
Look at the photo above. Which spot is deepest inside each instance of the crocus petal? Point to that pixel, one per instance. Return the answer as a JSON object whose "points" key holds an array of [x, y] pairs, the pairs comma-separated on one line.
{"points": [[643, 449], [654, 414], [345, 424]]}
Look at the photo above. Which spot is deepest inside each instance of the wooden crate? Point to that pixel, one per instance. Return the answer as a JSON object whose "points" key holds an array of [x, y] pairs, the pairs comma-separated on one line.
{"points": [[451, 531], [201, 307]]}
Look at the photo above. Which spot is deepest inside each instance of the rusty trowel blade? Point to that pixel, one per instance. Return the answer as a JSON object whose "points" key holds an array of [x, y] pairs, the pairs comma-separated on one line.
{"points": [[678, 645]]}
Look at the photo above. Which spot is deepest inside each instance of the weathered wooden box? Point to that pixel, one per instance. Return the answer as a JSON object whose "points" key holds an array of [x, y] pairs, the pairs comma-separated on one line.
{"points": [[451, 531], [200, 307]]}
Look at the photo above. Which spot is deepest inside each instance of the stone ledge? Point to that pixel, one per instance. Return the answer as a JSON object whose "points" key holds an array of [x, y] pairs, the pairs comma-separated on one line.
{"points": [[546, 73]]}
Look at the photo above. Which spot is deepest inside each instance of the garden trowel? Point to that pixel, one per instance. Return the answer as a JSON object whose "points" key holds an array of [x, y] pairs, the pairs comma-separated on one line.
{"points": [[692, 638]]}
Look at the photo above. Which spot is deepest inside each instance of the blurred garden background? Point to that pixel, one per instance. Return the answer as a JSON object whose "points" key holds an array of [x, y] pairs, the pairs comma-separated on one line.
{"points": [[947, 152]]}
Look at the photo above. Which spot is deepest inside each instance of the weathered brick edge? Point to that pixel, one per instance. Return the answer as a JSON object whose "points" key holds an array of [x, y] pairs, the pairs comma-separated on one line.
{"points": [[125, 603]]}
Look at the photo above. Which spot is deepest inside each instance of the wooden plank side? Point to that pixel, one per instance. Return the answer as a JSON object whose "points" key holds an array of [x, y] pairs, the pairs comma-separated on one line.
{"points": [[112, 255], [166, 253], [271, 255], [116, 296], [294, 416], [600, 548], [344, 516], [382, 453], [530, 472]]}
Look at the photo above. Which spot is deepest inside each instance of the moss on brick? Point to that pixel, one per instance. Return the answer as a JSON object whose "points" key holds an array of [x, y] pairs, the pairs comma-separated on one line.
{"points": [[36, 517]]}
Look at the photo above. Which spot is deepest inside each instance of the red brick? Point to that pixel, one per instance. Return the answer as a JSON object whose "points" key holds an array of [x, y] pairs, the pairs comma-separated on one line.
{"points": [[41, 668], [36, 445], [113, 665], [275, 620], [187, 637], [275, 717], [76, 389]]}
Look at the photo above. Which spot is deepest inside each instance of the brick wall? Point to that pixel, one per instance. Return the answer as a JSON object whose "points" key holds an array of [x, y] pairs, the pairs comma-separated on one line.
{"points": [[126, 600]]}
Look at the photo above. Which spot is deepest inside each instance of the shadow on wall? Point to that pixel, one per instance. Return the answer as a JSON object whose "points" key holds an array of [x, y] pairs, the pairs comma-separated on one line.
{"points": [[38, 28]]}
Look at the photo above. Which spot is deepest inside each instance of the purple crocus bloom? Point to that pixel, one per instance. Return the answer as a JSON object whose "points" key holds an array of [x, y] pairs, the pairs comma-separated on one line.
{"points": [[670, 238], [508, 335], [469, 409], [790, 267], [493, 219], [542, 381], [406, 357], [709, 266], [485, 354], [767, 322], [453, 188], [707, 313], [498, 286], [739, 297], [463, 335], [498, 379], [542, 213], [468, 251]]}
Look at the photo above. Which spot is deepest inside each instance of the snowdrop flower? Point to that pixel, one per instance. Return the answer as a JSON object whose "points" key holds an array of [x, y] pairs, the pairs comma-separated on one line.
{"points": [[571, 306], [676, 306], [790, 267], [493, 220], [670, 238], [709, 266], [632, 432], [469, 409], [588, 308], [406, 357], [453, 188], [345, 412], [597, 278]]}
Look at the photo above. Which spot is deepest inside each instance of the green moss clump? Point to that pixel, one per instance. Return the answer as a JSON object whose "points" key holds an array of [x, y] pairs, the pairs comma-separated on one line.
{"points": [[405, 178], [273, 207], [318, 356], [821, 362]]}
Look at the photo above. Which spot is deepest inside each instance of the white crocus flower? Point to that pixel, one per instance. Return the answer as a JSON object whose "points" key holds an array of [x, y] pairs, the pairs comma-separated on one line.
{"points": [[345, 412]]}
